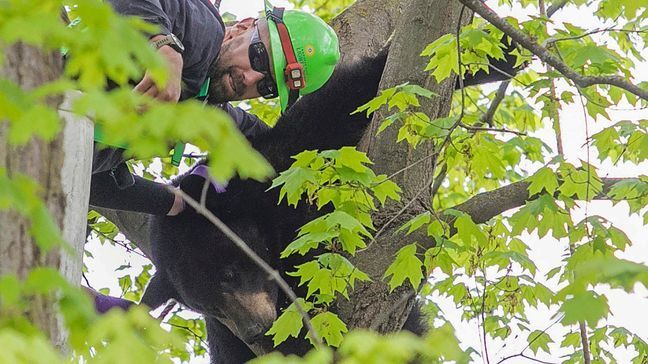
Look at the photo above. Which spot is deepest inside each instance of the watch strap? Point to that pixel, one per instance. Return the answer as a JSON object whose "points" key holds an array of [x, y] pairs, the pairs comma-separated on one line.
{"points": [[170, 40]]}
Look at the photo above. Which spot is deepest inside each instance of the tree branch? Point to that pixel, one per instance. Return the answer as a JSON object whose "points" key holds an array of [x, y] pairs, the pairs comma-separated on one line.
{"points": [[487, 118], [555, 7], [484, 206], [549, 58]]}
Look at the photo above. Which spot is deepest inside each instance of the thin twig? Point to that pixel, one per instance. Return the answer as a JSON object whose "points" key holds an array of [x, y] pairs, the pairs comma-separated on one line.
{"points": [[86, 280], [581, 324], [549, 58], [439, 180], [192, 155], [551, 41], [521, 353], [555, 7], [526, 357], [555, 115], [478, 128], [483, 318], [166, 310], [391, 176], [196, 336], [122, 244], [500, 71], [400, 212], [487, 118], [273, 274]]}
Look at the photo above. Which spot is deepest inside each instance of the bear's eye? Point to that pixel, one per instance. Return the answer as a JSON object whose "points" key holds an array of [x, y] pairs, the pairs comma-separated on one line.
{"points": [[228, 275]]}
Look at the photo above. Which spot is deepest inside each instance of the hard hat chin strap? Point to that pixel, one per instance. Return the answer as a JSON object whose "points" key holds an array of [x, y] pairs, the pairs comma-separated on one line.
{"points": [[294, 71]]}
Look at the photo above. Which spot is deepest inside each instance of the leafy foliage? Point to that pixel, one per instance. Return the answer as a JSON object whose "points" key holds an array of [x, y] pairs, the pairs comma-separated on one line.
{"points": [[483, 269]]}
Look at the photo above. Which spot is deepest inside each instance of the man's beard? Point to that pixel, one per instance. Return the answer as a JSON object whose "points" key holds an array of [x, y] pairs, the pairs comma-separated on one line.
{"points": [[219, 74]]}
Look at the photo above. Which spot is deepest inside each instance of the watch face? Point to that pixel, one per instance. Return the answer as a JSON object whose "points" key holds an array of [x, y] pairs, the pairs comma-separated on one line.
{"points": [[177, 42]]}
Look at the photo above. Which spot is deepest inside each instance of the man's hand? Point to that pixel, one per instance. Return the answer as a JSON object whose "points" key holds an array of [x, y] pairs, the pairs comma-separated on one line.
{"points": [[174, 82]]}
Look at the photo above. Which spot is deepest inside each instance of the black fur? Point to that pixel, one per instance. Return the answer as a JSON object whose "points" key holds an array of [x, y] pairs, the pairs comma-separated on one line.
{"points": [[201, 268]]}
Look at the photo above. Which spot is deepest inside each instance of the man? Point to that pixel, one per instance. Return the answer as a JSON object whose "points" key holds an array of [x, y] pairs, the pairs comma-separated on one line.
{"points": [[285, 54]]}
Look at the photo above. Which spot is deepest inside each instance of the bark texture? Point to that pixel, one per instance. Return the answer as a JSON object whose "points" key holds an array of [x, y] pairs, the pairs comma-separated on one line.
{"points": [[366, 26], [423, 21], [64, 187]]}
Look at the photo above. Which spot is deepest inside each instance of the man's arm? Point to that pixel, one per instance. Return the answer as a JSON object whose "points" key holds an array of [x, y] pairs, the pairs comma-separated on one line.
{"points": [[143, 196], [152, 12], [173, 87], [250, 125], [152, 197], [148, 10]]}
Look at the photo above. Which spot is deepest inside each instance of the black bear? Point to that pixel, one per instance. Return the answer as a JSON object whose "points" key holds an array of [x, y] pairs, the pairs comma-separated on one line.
{"points": [[201, 268]]}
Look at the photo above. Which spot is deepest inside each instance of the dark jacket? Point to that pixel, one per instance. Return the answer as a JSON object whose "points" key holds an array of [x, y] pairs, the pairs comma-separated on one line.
{"points": [[200, 28]]}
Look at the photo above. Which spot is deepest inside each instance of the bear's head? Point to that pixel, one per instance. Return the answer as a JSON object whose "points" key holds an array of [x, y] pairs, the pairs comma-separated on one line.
{"points": [[201, 267]]}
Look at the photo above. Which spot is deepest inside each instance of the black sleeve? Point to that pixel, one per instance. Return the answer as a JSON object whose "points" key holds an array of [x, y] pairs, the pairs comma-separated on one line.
{"points": [[150, 11], [143, 196], [250, 125]]}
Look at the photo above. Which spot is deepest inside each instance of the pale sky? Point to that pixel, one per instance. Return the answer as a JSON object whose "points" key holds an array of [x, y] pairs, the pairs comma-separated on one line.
{"points": [[628, 310]]}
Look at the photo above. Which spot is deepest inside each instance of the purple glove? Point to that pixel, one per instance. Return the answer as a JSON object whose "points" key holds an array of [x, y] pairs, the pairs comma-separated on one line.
{"points": [[203, 172], [104, 303]]}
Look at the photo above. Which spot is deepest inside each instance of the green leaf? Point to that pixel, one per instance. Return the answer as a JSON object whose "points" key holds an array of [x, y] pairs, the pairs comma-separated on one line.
{"points": [[416, 222], [385, 188], [585, 306], [543, 179], [330, 328], [539, 340], [406, 266], [289, 323], [351, 241], [542, 214], [352, 158], [293, 181], [467, 230], [10, 290], [331, 273], [582, 183], [572, 339], [443, 57], [618, 273], [377, 102]]}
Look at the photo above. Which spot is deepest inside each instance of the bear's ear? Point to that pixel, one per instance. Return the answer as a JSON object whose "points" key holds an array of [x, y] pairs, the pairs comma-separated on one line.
{"points": [[193, 186], [158, 292], [198, 181]]}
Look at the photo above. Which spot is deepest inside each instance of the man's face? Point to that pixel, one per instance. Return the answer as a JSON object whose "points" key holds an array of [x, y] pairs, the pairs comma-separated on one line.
{"points": [[232, 74]]}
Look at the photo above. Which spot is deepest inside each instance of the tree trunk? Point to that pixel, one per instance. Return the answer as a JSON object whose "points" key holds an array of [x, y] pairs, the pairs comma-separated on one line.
{"points": [[423, 21], [366, 26], [62, 168]]}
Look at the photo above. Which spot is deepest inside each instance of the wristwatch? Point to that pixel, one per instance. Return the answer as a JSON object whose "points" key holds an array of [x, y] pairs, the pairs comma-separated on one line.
{"points": [[170, 40]]}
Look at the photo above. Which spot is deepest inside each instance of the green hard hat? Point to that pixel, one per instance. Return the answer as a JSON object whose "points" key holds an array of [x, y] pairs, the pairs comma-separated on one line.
{"points": [[315, 46]]}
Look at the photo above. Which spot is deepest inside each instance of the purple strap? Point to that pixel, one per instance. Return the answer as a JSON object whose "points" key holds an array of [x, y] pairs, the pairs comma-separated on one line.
{"points": [[203, 172], [104, 303]]}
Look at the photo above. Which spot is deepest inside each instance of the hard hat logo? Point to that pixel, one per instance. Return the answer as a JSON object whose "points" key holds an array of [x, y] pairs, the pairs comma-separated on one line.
{"points": [[300, 41], [310, 50]]}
